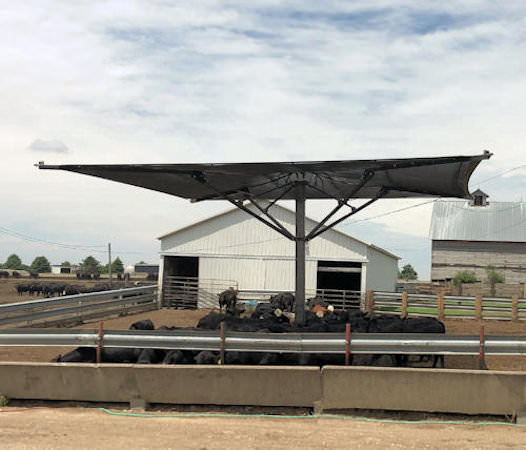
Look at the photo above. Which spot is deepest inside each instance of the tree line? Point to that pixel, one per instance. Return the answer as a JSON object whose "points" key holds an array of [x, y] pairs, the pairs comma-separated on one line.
{"points": [[42, 265]]}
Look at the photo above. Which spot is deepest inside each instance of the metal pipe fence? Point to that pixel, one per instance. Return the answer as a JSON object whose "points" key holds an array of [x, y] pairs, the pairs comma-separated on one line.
{"points": [[340, 299], [360, 343], [80, 306]]}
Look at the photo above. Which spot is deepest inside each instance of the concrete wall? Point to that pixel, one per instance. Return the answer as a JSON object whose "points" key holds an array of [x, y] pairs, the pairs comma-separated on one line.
{"points": [[431, 390], [214, 385], [333, 387]]}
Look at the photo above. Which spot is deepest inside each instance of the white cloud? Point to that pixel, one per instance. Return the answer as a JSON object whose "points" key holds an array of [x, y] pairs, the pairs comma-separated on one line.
{"points": [[51, 146]]}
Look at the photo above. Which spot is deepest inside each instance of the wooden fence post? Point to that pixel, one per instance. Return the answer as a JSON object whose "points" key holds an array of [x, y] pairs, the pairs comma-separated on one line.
{"points": [[515, 308], [440, 306], [478, 307], [482, 350], [347, 343], [222, 343], [403, 313], [100, 340], [369, 302]]}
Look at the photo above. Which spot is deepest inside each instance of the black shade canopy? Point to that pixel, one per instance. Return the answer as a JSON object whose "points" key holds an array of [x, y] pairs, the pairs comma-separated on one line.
{"points": [[394, 178]]}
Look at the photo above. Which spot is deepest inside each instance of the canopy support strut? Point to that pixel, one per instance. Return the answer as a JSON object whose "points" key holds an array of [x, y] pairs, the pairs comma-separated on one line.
{"points": [[300, 254], [300, 237]]}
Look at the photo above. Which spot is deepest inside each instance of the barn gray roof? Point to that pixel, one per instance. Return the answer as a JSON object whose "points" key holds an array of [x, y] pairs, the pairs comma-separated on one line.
{"points": [[460, 221]]}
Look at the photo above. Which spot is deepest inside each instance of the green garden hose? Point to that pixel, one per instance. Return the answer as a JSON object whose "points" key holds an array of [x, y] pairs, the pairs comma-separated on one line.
{"points": [[320, 416]]}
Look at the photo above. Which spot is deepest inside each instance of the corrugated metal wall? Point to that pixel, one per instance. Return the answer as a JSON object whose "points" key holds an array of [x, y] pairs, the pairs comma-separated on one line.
{"points": [[382, 274], [236, 233], [256, 273]]}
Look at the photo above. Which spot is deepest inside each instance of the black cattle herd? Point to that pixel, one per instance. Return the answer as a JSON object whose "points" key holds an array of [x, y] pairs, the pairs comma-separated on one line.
{"points": [[15, 274], [60, 289], [275, 316]]}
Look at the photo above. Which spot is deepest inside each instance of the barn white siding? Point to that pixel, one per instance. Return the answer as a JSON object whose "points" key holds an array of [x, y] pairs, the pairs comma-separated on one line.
{"points": [[237, 233], [249, 273], [381, 272], [236, 246]]}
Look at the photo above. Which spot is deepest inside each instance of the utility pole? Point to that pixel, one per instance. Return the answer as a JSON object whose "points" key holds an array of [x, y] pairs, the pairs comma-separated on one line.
{"points": [[109, 260]]}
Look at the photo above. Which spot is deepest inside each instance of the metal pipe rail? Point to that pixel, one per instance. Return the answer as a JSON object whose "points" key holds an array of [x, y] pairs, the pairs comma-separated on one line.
{"points": [[77, 304], [360, 343]]}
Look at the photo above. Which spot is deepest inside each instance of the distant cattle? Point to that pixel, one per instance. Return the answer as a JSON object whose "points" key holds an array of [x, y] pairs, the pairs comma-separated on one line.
{"points": [[4, 274]]}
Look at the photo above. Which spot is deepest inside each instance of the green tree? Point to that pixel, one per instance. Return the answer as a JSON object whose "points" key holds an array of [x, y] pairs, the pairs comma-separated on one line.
{"points": [[141, 262], [13, 262], [66, 264], [493, 275], [117, 266], [464, 276], [90, 265], [407, 273], [40, 264]]}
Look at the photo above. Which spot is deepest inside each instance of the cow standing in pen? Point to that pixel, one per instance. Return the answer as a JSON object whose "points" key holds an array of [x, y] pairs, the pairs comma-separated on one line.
{"points": [[228, 300]]}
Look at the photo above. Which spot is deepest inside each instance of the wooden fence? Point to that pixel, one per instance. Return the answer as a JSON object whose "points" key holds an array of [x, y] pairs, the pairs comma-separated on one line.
{"points": [[446, 306]]}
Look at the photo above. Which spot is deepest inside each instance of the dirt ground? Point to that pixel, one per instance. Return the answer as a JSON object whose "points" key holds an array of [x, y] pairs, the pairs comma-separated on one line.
{"points": [[66, 428]]}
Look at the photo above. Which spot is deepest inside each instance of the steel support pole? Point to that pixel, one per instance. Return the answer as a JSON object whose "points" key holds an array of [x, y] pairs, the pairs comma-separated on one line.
{"points": [[300, 254]]}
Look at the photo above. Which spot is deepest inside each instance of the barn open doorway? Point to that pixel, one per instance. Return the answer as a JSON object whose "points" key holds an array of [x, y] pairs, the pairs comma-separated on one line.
{"points": [[181, 266], [340, 275], [180, 282]]}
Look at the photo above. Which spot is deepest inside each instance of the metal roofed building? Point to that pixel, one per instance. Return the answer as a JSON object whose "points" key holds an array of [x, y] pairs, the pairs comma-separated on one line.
{"points": [[236, 246], [470, 235]]}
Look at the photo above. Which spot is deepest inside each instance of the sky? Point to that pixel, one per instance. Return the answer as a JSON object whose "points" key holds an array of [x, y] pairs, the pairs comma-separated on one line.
{"points": [[231, 81]]}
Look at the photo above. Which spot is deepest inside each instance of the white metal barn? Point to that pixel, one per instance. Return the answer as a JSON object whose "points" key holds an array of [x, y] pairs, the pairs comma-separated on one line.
{"points": [[235, 246]]}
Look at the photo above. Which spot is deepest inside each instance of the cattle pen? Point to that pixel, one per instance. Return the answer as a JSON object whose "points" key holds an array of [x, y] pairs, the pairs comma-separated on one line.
{"points": [[325, 387]]}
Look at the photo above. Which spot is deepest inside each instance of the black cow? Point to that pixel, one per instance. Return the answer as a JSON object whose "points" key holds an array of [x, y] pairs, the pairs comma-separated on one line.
{"points": [[21, 288], [227, 300], [146, 324], [151, 356], [284, 301], [426, 325], [211, 321], [80, 354], [4, 274], [175, 357], [206, 357]]}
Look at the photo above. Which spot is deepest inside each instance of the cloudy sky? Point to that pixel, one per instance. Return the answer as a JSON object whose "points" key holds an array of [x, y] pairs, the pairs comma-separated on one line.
{"points": [[223, 81]]}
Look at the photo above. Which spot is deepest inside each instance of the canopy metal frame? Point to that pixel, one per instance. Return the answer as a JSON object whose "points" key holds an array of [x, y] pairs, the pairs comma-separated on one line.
{"points": [[296, 182]]}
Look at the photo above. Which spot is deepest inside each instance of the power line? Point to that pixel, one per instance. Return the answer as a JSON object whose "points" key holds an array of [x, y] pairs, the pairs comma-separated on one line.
{"points": [[28, 238], [388, 213], [500, 174]]}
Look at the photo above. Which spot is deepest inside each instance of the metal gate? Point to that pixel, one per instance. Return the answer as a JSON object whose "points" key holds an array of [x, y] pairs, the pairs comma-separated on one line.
{"points": [[193, 293]]}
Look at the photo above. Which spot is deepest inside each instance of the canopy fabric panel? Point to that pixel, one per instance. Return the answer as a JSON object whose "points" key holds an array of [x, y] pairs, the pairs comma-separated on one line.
{"points": [[394, 178]]}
